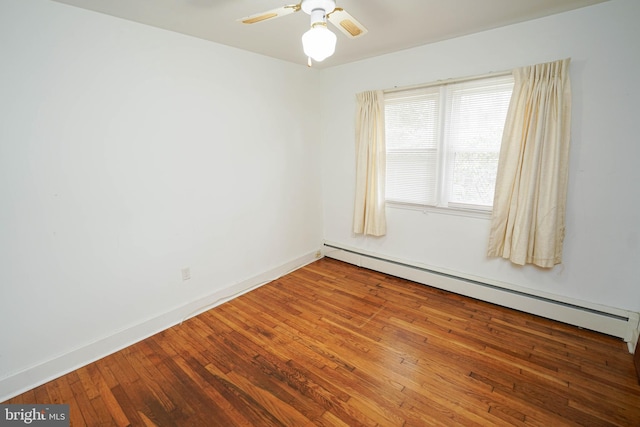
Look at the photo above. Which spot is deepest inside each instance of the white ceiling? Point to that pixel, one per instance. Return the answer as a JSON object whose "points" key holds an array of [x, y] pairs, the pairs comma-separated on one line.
{"points": [[393, 25]]}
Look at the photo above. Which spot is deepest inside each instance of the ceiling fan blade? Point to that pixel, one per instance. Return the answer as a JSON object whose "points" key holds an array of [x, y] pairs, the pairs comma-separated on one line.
{"points": [[270, 14], [346, 23]]}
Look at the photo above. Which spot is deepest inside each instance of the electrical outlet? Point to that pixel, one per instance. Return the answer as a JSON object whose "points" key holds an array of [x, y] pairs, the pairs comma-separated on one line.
{"points": [[186, 274]]}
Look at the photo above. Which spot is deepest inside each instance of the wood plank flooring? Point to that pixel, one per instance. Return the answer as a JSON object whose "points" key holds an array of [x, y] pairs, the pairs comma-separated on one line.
{"points": [[335, 345]]}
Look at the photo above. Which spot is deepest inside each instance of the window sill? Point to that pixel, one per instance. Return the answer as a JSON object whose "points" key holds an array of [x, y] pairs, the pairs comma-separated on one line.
{"points": [[472, 213]]}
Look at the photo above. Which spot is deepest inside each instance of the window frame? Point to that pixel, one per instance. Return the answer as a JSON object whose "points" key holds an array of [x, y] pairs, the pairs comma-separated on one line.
{"points": [[444, 177]]}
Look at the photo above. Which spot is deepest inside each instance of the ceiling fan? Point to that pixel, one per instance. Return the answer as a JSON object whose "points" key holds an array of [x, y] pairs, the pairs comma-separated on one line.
{"points": [[319, 42]]}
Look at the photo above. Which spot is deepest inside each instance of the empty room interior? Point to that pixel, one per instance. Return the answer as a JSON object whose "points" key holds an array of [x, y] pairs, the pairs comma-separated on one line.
{"points": [[177, 226]]}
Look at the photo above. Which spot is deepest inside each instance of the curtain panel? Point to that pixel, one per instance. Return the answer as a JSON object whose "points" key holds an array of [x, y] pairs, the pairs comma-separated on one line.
{"points": [[528, 220], [369, 213]]}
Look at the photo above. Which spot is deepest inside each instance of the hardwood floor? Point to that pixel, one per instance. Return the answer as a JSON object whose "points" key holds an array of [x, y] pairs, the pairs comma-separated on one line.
{"points": [[335, 345]]}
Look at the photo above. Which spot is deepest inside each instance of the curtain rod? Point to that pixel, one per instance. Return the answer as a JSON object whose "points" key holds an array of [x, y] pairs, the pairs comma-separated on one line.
{"points": [[449, 81]]}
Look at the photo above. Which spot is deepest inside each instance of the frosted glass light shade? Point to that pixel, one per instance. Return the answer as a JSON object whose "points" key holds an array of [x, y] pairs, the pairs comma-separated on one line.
{"points": [[319, 43]]}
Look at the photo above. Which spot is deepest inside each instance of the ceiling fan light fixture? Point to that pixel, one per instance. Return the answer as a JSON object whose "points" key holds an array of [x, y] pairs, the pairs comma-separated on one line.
{"points": [[319, 43]]}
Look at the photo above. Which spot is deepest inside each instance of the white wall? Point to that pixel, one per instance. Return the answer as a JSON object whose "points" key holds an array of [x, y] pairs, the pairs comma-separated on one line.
{"points": [[602, 246], [127, 153]]}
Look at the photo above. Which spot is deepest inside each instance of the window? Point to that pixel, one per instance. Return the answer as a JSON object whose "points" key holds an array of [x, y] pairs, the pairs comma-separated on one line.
{"points": [[443, 142]]}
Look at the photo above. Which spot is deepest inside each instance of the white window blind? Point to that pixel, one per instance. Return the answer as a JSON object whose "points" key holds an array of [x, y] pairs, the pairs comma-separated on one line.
{"points": [[412, 125], [443, 142]]}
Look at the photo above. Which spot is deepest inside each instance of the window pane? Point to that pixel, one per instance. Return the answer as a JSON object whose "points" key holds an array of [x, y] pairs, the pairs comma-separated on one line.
{"points": [[411, 121], [411, 134], [411, 176], [474, 132], [474, 177]]}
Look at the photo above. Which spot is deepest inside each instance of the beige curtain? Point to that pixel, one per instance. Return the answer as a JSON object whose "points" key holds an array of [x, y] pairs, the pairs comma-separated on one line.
{"points": [[369, 215], [528, 220]]}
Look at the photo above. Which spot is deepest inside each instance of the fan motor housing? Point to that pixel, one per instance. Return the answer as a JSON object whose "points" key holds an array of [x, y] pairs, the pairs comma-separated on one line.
{"points": [[309, 6]]}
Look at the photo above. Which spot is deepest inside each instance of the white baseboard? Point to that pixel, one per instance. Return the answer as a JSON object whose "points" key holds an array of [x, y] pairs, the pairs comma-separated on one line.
{"points": [[595, 317], [34, 376]]}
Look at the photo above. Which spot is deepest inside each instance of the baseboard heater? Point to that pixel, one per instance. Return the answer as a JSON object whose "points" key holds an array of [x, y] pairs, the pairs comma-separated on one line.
{"points": [[608, 320]]}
